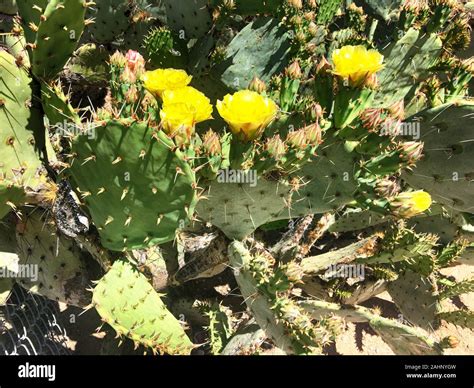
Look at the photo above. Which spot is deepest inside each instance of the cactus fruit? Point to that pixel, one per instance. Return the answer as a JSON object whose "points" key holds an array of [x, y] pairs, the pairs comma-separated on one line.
{"points": [[138, 167], [127, 302]]}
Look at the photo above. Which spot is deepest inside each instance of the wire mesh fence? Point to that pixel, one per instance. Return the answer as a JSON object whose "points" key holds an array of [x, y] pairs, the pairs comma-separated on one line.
{"points": [[29, 325]]}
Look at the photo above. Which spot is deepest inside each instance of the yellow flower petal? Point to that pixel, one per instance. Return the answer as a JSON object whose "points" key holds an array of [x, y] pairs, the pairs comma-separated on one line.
{"points": [[182, 109], [157, 81], [247, 113], [356, 63], [411, 203], [421, 201], [196, 101]]}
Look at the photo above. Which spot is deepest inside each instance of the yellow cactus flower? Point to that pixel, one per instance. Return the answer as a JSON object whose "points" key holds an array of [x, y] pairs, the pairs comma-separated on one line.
{"points": [[356, 63], [182, 110], [411, 203], [157, 81], [247, 113], [197, 102]]}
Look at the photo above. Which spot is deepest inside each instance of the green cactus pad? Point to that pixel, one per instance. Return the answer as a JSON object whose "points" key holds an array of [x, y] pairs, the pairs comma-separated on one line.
{"points": [[239, 209], [57, 108], [387, 9], [191, 16], [165, 50], [442, 226], [460, 288], [8, 259], [357, 219], [57, 34], [463, 318], [64, 273], [401, 338], [327, 10], [415, 296], [446, 171], [138, 190], [407, 63], [111, 20], [30, 12], [127, 302], [22, 135], [18, 48], [245, 59], [315, 264], [404, 245], [327, 181], [288, 325]]}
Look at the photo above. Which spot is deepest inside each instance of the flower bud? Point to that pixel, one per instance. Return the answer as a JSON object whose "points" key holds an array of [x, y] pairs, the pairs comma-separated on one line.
{"points": [[211, 143], [297, 139], [317, 111], [397, 110], [323, 66], [257, 85], [387, 187], [314, 135], [275, 147], [411, 151], [118, 59], [410, 204], [297, 4], [294, 70], [313, 28], [372, 119], [309, 16], [449, 342]]}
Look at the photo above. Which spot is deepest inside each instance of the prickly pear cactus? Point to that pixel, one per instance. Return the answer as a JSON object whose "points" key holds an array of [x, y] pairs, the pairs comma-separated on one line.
{"points": [[22, 135], [444, 171], [138, 166], [55, 29], [126, 301], [192, 17], [269, 165], [63, 272]]}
